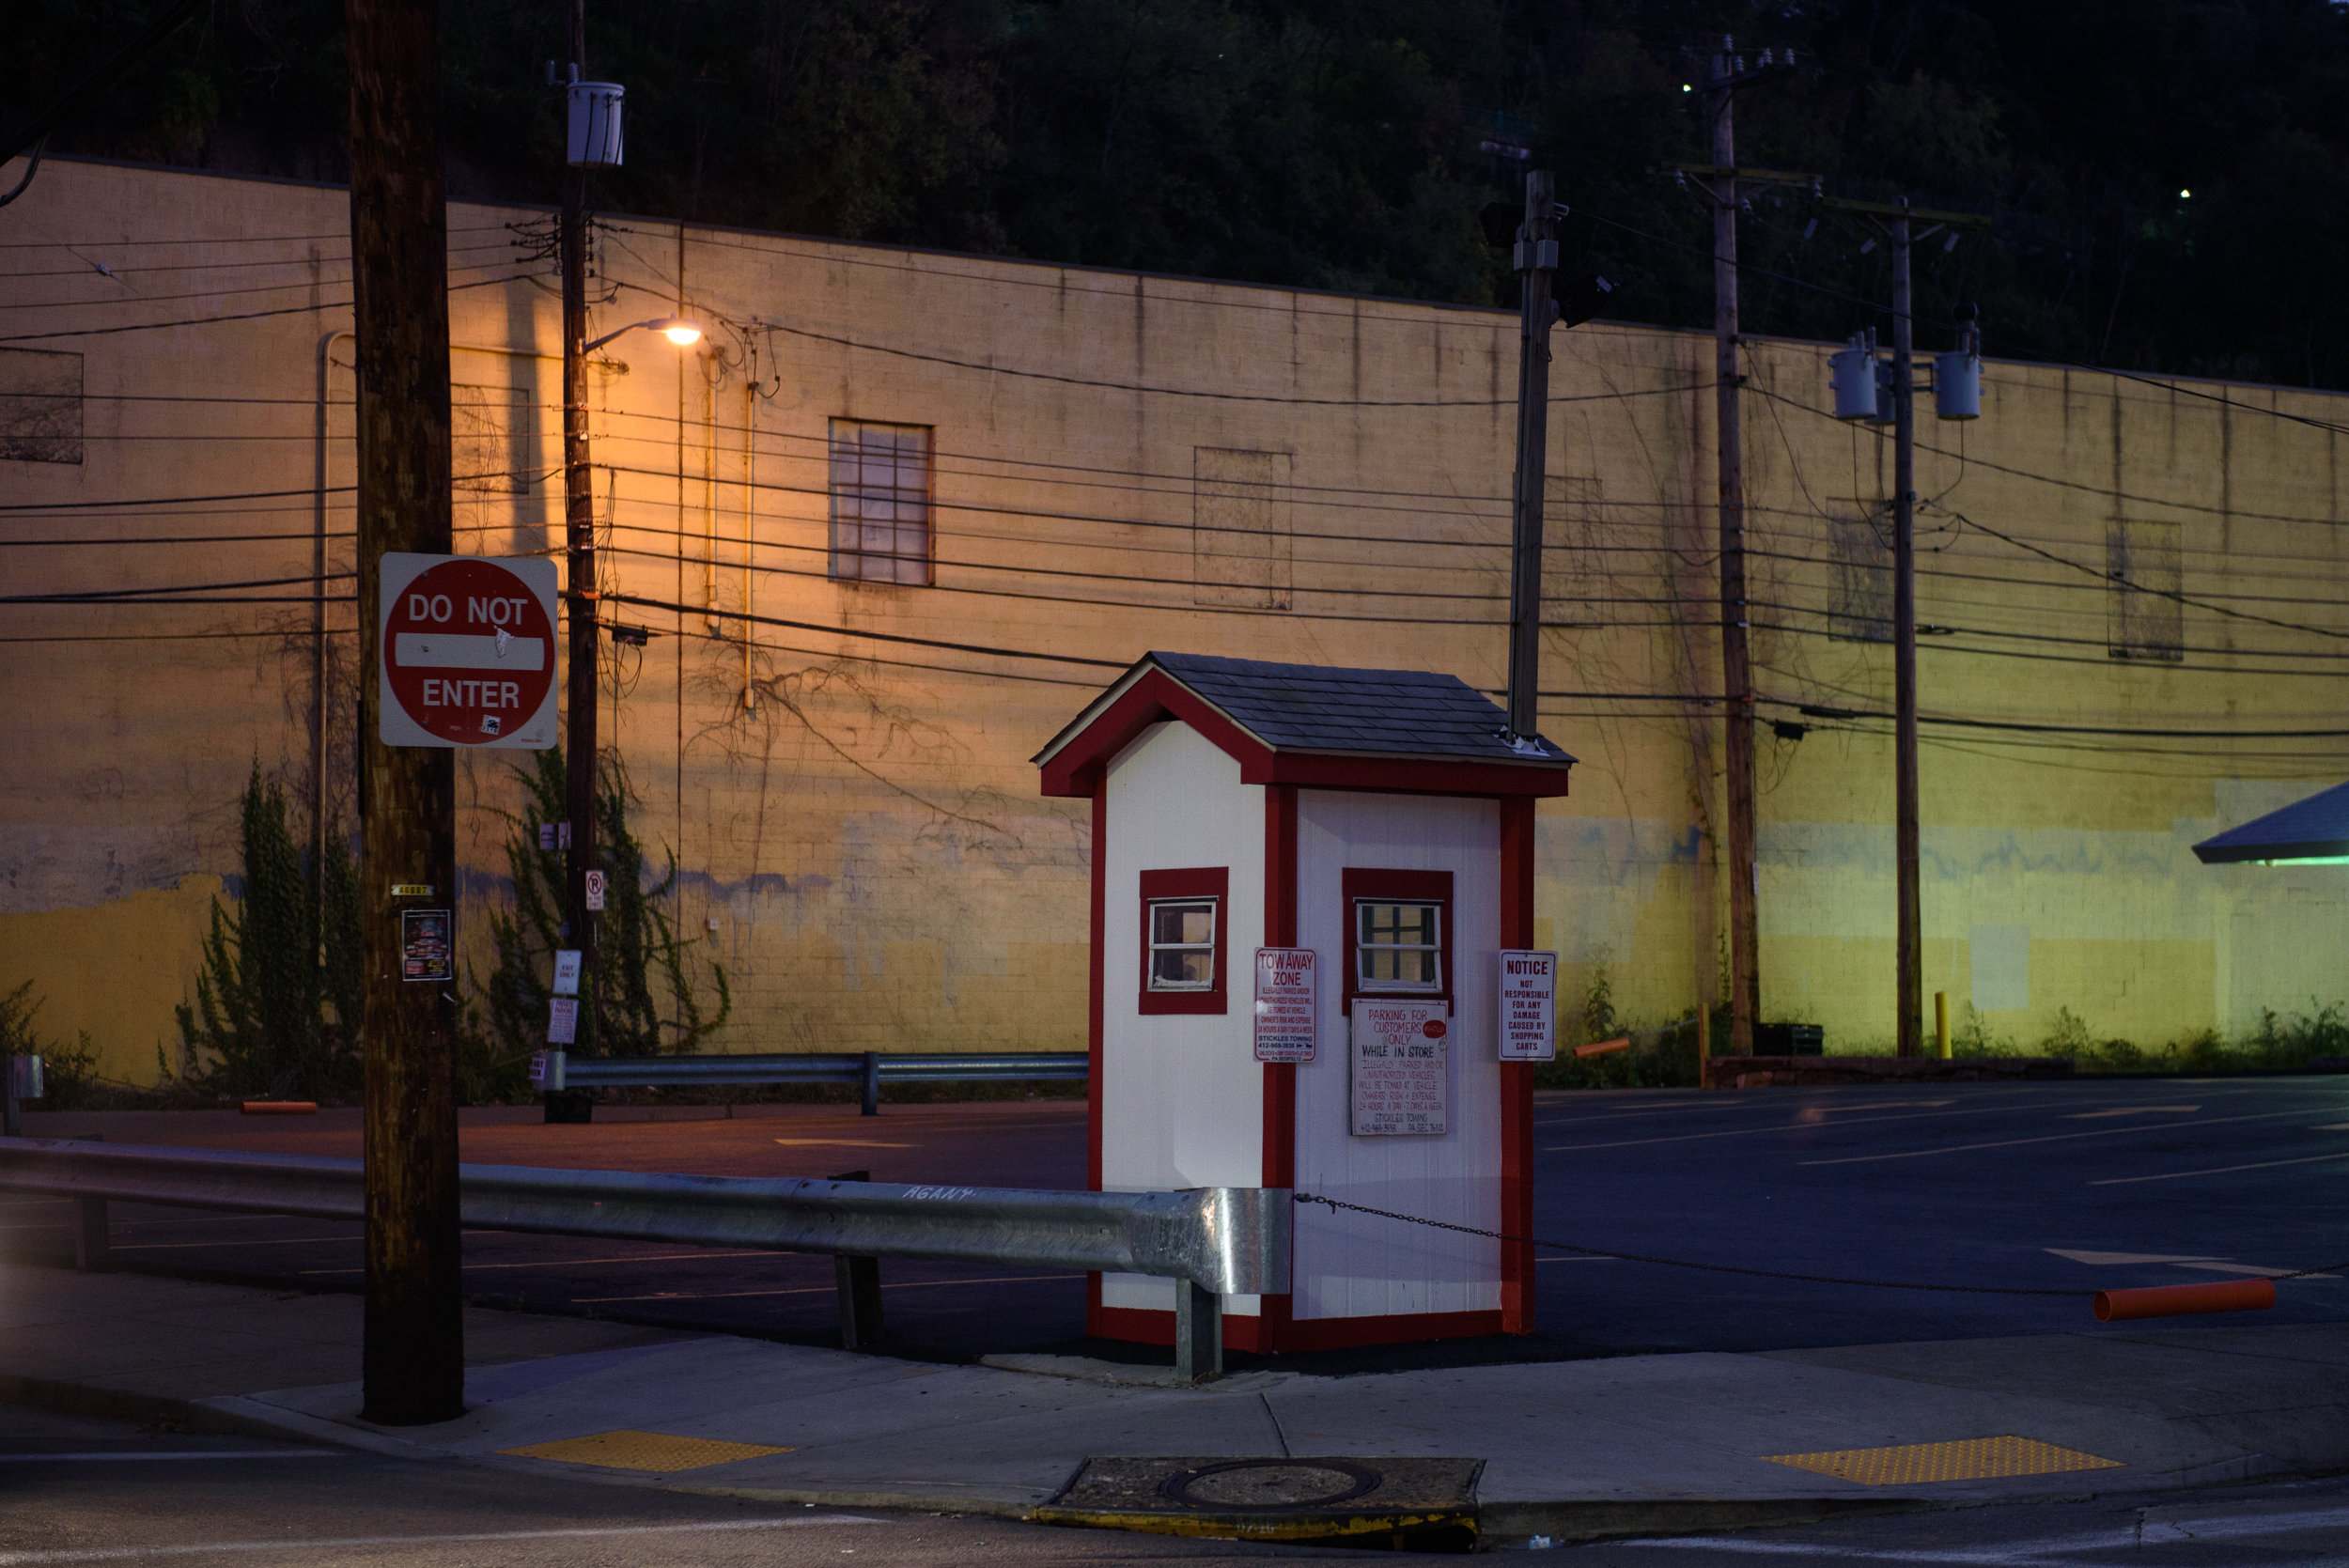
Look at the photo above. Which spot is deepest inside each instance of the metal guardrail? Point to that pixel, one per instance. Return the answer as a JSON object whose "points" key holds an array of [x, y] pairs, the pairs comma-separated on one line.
{"points": [[556, 1072], [1212, 1241]]}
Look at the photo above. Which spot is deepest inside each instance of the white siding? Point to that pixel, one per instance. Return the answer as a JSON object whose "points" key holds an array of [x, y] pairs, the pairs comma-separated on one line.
{"points": [[1353, 1265], [1182, 1095]]}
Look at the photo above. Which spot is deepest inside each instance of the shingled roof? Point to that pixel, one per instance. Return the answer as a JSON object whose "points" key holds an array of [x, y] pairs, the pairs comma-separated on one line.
{"points": [[1318, 710], [2305, 830]]}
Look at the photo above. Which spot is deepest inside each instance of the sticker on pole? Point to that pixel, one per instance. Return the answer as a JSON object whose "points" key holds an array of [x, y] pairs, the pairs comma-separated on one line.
{"points": [[426, 950], [1401, 1081], [1285, 997], [466, 651], [1529, 1006]]}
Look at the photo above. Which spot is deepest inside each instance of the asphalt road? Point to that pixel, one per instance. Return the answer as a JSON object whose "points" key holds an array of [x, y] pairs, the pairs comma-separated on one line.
{"points": [[2067, 1187], [76, 1490]]}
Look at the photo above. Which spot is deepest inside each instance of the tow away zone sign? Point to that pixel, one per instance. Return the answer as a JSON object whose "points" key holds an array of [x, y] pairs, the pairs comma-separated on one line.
{"points": [[466, 652]]}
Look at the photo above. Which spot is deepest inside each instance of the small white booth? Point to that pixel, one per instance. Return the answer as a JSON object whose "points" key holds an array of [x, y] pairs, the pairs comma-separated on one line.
{"points": [[1307, 883]]}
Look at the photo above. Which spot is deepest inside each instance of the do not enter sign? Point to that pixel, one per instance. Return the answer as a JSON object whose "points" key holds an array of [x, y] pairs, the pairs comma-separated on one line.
{"points": [[466, 645]]}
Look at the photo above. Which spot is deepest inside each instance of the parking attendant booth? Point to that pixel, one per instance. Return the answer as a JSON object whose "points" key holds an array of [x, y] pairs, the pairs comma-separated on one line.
{"points": [[1307, 882]]}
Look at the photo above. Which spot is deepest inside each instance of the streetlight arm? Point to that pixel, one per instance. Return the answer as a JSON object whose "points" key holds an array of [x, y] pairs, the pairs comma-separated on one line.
{"points": [[677, 329]]}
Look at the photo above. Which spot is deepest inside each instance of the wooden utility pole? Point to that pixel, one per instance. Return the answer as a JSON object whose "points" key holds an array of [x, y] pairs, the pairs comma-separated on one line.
{"points": [[414, 1363], [1909, 1027], [582, 597], [1535, 258], [1745, 976]]}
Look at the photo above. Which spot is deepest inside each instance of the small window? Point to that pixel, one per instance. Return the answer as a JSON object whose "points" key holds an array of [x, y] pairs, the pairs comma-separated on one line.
{"points": [[880, 501], [1398, 947], [1182, 944]]}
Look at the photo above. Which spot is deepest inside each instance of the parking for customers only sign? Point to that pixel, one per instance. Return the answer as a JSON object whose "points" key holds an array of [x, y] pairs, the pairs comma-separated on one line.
{"points": [[467, 646]]}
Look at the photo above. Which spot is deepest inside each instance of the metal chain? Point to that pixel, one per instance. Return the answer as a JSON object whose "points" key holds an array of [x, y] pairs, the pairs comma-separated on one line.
{"points": [[1334, 1205]]}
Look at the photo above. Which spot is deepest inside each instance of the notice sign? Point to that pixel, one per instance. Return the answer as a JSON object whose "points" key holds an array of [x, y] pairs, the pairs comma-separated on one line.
{"points": [[1529, 1006], [1285, 1002], [466, 649], [426, 952], [1401, 1081], [562, 1020]]}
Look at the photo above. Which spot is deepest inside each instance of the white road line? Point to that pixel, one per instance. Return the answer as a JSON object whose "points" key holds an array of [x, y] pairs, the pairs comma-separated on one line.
{"points": [[2234, 1527], [822, 1290], [2217, 1169], [2057, 1137], [1784, 1127], [262, 1241], [2133, 1111], [133, 1553], [8, 1459]]}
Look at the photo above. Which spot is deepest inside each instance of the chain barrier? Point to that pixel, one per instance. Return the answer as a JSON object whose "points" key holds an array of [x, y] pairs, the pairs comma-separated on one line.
{"points": [[1334, 1205]]}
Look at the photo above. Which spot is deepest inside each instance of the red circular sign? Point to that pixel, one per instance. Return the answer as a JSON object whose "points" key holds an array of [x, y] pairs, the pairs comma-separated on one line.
{"points": [[1433, 1029], [469, 652]]}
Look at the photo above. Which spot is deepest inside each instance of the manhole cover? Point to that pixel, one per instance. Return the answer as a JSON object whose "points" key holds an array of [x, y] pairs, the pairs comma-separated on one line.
{"points": [[1272, 1483]]}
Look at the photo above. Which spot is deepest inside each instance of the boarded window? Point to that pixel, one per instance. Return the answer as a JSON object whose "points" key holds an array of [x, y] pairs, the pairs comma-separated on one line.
{"points": [[880, 501], [41, 406], [2143, 616], [1241, 553], [1860, 586], [490, 445]]}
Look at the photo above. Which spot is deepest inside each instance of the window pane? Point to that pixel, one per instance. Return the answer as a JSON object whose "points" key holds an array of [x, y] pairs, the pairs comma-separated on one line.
{"points": [[1175, 966], [880, 501], [1190, 924]]}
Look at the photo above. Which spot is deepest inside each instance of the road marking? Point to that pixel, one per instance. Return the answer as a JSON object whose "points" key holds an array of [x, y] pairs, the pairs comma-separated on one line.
{"points": [[2145, 1532], [577, 1262], [265, 1241], [2217, 1170], [2065, 1137], [1784, 1127], [2133, 1111], [1966, 1459], [2332, 1127], [819, 1290], [630, 1449], [174, 1453], [133, 1553], [2102, 1260]]}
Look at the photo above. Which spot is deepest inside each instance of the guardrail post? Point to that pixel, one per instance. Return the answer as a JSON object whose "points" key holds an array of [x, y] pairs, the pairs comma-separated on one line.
{"points": [[872, 1083], [859, 1278], [90, 1240], [1198, 1333]]}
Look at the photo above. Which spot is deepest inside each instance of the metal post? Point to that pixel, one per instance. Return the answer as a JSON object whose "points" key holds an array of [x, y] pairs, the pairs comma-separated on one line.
{"points": [[1536, 259], [858, 1278], [1910, 1024], [1745, 979], [581, 596], [11, 1113], [871, 1084], [89, 1241], [1198, 1333], [412, 1363]]}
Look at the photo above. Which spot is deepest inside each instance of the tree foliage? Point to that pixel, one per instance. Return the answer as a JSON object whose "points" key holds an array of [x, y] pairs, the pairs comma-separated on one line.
{"points": [[1342, 144], [278, 992]]}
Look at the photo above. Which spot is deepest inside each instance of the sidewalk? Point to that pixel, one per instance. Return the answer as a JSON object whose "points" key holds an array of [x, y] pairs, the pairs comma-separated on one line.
{"points": [[1572, 1450]]}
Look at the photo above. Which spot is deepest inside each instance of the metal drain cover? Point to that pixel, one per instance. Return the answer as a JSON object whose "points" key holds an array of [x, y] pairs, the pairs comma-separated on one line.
{"points": [[1416, 1504]]}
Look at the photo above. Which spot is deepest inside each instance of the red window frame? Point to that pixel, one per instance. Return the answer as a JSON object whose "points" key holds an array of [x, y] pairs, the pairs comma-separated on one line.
{"points": [[1403, 887], [1205, 882]]}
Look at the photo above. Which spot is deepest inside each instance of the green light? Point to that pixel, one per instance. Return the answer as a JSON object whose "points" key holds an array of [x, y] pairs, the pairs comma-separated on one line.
{"points": [[2184, 195]]}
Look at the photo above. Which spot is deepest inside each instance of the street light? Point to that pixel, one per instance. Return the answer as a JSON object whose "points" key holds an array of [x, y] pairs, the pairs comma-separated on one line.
{"points": [[679, 330]]}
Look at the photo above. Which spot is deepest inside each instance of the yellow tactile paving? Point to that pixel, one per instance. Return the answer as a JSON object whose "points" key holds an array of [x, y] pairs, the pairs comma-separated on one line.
{"points": [[625, 1450], [1971, 1459]]}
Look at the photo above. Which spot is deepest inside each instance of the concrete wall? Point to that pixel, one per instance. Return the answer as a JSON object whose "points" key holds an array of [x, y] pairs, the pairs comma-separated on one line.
{"points": [[858, 817]]}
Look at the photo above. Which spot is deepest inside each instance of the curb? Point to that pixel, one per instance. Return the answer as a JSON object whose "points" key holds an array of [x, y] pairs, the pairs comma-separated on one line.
{"points": [[1566, 1523]]}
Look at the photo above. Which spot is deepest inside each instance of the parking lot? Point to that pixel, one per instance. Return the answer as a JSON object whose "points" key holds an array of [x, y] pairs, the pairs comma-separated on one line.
{"points": [[2073, 1187]]}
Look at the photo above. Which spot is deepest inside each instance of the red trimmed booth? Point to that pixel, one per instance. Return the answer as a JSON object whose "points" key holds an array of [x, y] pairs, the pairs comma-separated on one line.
{"points": [[1382, 819]]}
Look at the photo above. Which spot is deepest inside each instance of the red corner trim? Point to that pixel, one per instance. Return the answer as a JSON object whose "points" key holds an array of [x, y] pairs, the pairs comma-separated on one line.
{"points": [[1078, 766], [1280, 1078], [1517, 1275], [1098, 994], [1408, 776]]}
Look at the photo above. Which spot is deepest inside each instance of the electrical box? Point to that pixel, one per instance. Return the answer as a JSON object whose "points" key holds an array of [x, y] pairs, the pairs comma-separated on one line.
{"points": [[1854, 370], [1957, 385], [595, 124]]}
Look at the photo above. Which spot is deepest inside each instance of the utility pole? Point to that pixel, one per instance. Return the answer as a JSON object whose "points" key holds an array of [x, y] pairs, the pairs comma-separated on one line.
{"points": [[580, 596], [1728, 74], [1910, 1029], [1909, 989], [414, 1363], [1535, 258]]}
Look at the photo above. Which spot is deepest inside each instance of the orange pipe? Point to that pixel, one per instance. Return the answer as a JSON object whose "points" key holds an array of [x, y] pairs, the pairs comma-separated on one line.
{"points": [[1603, 1047], [2233, 1296], [280, 1107]]}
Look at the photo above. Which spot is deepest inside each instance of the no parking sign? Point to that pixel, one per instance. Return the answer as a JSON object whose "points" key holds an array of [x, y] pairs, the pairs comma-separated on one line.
{"points": [[466, 652]]}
